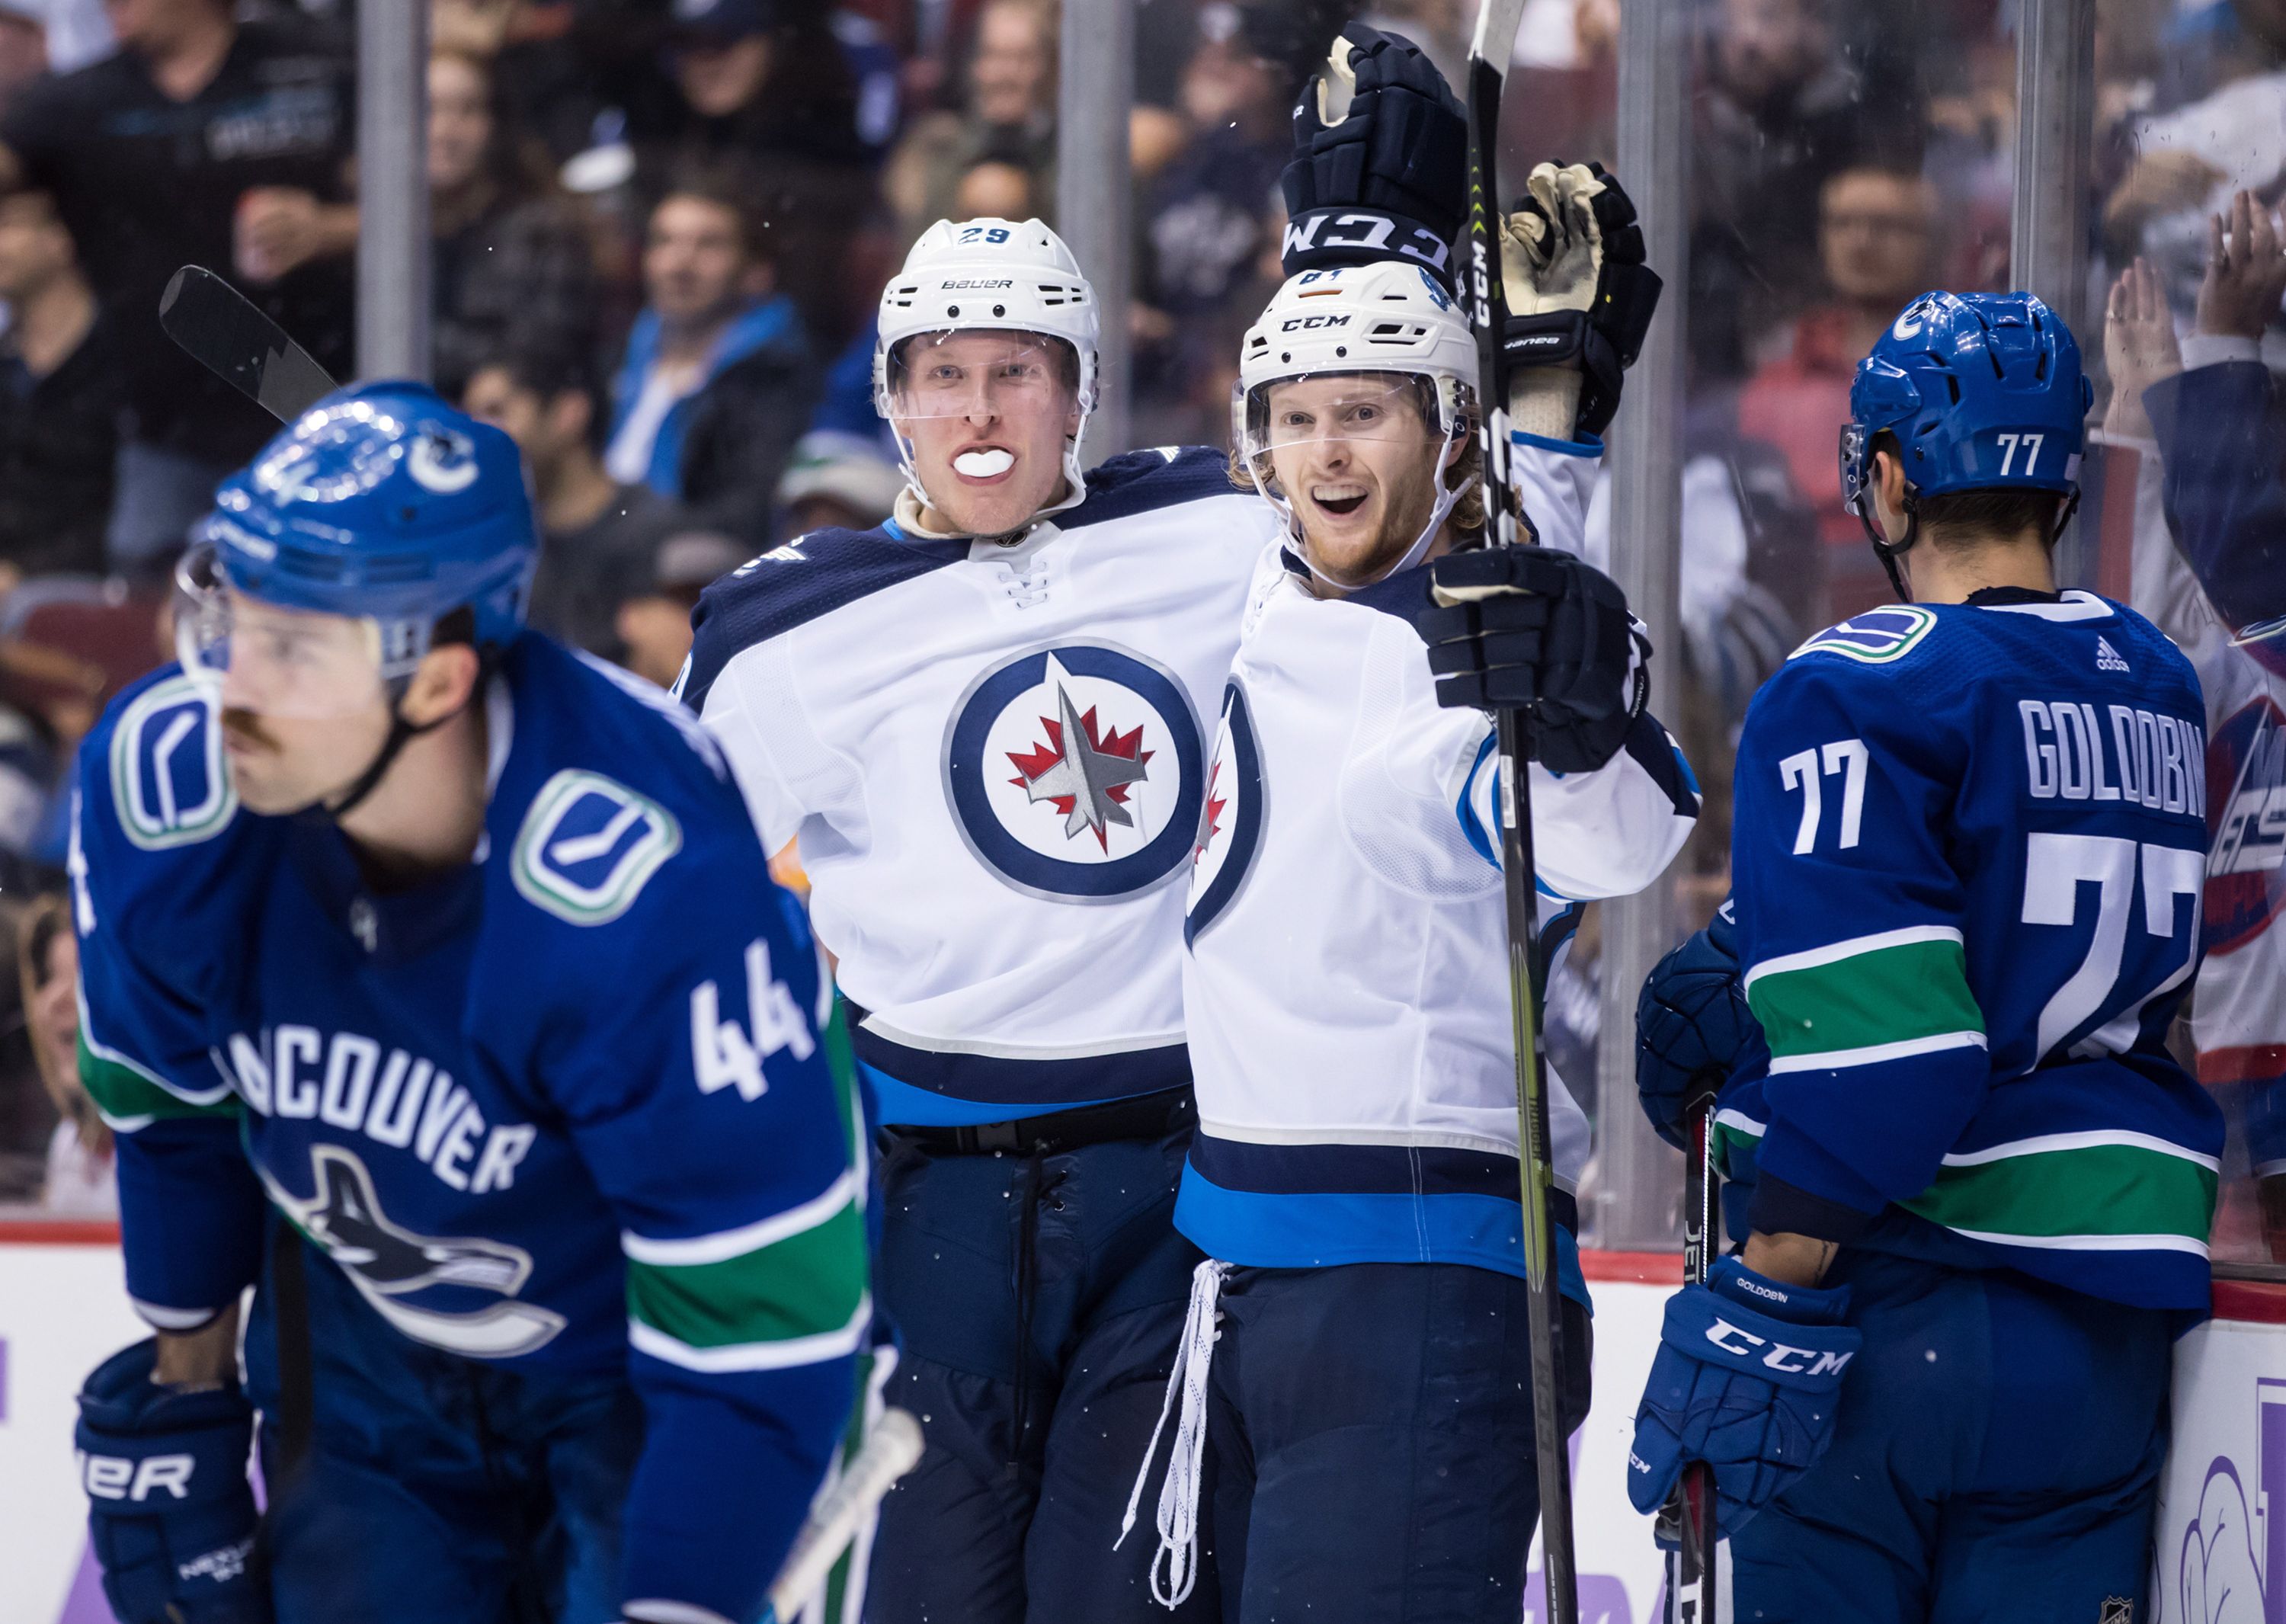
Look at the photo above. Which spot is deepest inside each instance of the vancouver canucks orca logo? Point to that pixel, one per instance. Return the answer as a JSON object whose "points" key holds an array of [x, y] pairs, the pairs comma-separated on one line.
{"points": [[1074, 773], [387, 1262], [1230, 824]]}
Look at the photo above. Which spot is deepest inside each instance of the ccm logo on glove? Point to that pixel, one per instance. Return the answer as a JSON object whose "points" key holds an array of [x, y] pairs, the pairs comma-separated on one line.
{"points": [[1780, 1357], [109, 1476]]}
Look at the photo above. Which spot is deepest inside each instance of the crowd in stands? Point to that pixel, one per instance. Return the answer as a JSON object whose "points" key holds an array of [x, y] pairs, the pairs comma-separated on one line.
{"points": [[659, 228]]}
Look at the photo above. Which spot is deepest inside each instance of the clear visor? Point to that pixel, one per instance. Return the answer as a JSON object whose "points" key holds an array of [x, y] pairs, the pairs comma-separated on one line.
{"points": [[1337, 405], [980, 375], [271, 660]]}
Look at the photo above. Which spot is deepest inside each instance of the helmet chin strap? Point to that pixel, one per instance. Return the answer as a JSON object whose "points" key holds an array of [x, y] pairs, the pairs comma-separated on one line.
{"points": [[1890, 553], [401, 733], [1448, 496], [1075, 485]]}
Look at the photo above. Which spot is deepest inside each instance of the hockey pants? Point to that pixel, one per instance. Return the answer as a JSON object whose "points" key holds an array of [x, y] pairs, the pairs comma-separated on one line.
{"points": [[431, 1486], [1038, 1299], [1996, 1457], [1370, 1439]]}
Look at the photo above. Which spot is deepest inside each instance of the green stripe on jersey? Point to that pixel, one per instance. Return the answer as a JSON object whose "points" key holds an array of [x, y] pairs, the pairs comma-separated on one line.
{"points": [[1901, 987], [808, 1284], [2085, 1197], [128, 1099]]}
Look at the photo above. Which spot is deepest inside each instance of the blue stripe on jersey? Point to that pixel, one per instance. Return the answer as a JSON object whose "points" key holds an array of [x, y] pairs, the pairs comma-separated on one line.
{"points": [[931, 1088], [917, 1107], [1648, 743], [790, 586], [1144, 481], [827, 569], [1317, 1206], [1587, 446]]}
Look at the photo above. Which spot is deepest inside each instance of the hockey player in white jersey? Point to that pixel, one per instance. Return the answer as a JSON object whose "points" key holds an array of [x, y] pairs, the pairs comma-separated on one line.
{"points": [[986, 720], [982, 721], [1365, 1405]]}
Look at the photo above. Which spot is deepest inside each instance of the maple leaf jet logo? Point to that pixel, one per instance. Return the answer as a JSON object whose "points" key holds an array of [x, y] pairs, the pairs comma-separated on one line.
{"points": [[1211, 825], [1084, 774]]}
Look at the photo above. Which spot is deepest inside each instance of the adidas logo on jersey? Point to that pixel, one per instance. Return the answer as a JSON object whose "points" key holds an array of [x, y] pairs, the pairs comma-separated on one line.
{"points": [[2107, 658]]}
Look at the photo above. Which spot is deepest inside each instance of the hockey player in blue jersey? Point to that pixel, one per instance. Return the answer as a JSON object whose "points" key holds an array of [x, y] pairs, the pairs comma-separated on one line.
{"points": [[1968, 860], [1356, 1396], [986, 722], [432, 977]]}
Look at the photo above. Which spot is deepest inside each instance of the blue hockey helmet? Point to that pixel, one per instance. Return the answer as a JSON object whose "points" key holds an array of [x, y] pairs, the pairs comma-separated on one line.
{"points": [[384, 502], [1984, 391]]}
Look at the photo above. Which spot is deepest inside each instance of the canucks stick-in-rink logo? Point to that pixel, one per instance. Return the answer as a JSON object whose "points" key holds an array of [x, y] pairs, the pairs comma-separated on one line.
{"points": [[387, 1263], [1074, 772], [1230, 823], [168, 779]]}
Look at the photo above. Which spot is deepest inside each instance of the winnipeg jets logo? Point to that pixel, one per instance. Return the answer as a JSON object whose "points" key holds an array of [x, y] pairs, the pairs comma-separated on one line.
{"points": [[1074, 772], [1084, 773], [1230, 823]]}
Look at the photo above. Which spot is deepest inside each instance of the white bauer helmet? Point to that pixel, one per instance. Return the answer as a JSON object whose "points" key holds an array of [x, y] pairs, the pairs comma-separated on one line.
{"points": [[988, 275], [1389, 321]]}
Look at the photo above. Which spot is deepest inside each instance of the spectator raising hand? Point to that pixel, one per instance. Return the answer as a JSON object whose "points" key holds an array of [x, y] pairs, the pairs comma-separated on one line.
{"points": [[2139, 347], [2246, 271]]}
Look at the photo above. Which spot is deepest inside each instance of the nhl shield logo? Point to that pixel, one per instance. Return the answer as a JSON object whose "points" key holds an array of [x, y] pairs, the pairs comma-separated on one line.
{"points": [[1074, 773], [1230, 822]]}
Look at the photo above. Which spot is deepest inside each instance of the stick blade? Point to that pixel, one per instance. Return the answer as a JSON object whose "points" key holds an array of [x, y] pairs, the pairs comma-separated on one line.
{"points": [[220, 329], [1495, 39]]}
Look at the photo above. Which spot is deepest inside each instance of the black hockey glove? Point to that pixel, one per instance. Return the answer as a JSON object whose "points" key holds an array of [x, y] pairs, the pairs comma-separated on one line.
{"points": [[170, 1512], [1531, 629], [1380, 165], [1578, 293]]}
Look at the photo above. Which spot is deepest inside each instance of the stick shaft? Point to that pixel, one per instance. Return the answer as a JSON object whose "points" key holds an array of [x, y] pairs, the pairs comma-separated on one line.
{"points": [[1689, 1514], [890, 1450], [1489, 56]]}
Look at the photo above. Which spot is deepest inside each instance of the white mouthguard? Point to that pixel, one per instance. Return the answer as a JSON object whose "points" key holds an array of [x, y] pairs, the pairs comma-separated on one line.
{"points": [[984, 464]]}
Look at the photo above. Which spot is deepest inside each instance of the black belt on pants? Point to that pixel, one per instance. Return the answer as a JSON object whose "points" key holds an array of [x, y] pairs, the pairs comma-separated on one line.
{"points": [[1146, 1117]]}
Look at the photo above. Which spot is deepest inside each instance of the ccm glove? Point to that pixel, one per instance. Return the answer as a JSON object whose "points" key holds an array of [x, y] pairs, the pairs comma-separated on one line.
{"points": [[1746, 1378], [1532, 629], [1579, 295], [1693, 1031], [1381, 160], [170, 1513]]}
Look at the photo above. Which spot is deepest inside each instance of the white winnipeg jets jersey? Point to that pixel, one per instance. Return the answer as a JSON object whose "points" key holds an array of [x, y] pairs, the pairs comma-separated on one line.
{"points": [[1346, 985], [995, 763]]}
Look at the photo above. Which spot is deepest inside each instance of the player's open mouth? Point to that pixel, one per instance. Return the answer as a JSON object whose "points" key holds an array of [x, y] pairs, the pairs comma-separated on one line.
{"points": [[984, 464], [1341, 499]]}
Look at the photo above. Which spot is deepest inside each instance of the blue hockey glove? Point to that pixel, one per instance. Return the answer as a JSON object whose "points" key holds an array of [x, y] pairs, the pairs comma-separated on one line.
{"points": [[1693, 1031], [1534, 629], [170, 1511], [1745, 1379], [1380, 165]]}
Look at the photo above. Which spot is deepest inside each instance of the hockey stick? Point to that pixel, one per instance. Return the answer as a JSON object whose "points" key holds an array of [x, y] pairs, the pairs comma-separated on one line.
{"points": [[1688, 1517], [1490, 51], [892, 1446], [220, 329]]}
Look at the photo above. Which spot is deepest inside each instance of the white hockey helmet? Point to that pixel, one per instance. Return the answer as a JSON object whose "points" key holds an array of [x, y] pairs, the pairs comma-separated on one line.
{"points": [[1390, 327], [988, 275]]}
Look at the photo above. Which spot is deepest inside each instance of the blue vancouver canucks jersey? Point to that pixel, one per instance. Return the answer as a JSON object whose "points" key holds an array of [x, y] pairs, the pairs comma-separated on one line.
{"points": [[564, 1106], [1968, 850]]}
